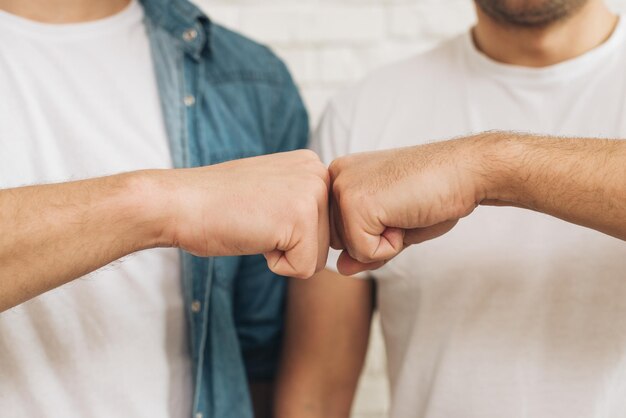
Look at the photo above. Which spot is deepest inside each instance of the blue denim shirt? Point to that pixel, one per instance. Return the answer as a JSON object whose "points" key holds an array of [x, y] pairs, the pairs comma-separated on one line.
{"points": [[224, 97]]}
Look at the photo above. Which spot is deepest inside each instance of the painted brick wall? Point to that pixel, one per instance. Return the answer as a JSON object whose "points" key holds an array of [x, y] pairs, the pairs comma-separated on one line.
{"points": [[329, 44]]}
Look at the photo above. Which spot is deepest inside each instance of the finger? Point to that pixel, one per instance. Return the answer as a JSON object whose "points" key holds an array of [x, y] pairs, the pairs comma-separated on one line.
{"points": [[299, 260], [358, 228], [274, 261], [419, 235], [372, 243], [348, 266]]}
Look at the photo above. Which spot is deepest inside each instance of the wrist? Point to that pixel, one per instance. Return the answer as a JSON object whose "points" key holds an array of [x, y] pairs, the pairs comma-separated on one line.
{"points": [[496, 166], [147, 203]]}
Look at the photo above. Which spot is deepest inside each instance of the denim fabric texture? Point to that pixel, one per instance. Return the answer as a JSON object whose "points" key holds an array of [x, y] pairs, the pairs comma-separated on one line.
{"points": [[224, 97]]}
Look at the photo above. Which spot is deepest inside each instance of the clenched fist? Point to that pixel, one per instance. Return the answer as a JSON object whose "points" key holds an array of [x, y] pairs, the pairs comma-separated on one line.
{"points": [[276, 205], [384, 201]]}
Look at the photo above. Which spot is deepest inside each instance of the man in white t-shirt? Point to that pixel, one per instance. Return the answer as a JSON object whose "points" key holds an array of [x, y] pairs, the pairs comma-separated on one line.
{"points": [[511, 313]]}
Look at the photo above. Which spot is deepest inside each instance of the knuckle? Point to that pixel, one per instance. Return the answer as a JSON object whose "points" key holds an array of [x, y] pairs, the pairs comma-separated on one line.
{"points": [[308, 154], [320, 189], [326, 177], [346, 189], [338, 187], [335, 166], [321, 172], [311, 191]]}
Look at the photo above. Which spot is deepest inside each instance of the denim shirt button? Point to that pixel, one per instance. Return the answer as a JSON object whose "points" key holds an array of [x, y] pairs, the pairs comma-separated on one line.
{"points": [[190, 34], [189, 100], [195, 307]]}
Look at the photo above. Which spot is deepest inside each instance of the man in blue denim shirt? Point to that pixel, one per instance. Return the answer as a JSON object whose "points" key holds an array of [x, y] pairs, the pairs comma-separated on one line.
{"points": [[93, 88]]}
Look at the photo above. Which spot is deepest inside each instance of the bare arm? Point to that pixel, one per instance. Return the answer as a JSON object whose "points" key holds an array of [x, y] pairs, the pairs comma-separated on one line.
{"points": [[414, 194], [52, 234], [582, 181], [328, 322], [274, 205]]}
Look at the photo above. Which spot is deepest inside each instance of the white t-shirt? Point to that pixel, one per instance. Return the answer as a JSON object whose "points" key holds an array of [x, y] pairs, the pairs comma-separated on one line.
{"points": [[514, 313], [78, 101]]}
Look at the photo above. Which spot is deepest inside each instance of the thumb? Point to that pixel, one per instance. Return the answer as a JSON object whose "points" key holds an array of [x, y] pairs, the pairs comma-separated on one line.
{"points": [[369, 248], [348, 266]]}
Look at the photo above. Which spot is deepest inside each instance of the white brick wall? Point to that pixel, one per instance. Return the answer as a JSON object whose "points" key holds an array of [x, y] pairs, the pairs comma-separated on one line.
{"points": [[329, 44]]}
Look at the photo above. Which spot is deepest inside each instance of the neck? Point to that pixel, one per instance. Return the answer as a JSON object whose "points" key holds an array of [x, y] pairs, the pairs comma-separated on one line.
{"points": [[540, 47], [63, 11]]}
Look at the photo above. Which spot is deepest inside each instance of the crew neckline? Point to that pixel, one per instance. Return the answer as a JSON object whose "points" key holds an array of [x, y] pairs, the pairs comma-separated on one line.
{"points": [[132, 13], [563, 71]]}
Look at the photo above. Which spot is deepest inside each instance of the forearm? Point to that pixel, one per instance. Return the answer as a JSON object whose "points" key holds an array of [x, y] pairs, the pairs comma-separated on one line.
{"points": [[55, 233], [52, 234], [582, 181], [328, 321], [411, 195]]}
